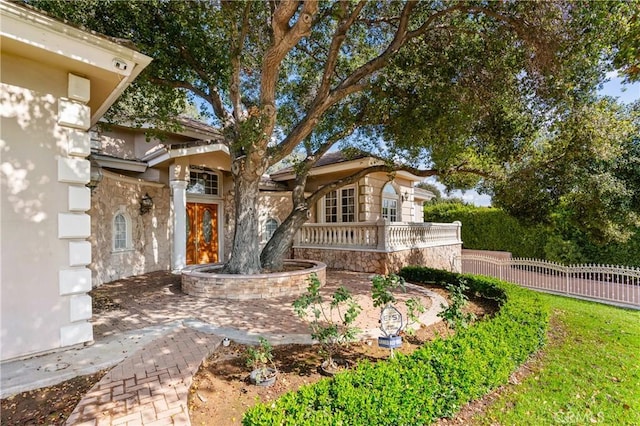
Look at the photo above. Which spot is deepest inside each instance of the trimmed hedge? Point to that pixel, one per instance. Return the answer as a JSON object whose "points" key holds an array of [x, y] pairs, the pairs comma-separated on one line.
{"points": [[432, 382], [488, 228]]}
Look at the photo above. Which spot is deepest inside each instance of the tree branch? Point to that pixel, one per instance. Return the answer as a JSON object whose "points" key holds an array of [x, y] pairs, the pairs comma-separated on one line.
{"points": [[285, 39], [388, 168], [336, 42], [214, 98], [178, 84], [354, 83], [236, 51]]}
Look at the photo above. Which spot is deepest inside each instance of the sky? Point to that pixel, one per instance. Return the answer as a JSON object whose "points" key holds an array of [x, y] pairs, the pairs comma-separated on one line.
{"points": [[626, 93]]}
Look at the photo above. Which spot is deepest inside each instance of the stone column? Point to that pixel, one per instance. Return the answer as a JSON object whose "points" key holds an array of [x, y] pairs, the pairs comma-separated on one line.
{"points": [[179, 201]]}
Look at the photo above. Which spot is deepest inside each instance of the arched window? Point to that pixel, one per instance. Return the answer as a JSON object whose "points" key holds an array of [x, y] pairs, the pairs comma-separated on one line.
{"points": [[389, 203], [121, 231], [270, 227]]}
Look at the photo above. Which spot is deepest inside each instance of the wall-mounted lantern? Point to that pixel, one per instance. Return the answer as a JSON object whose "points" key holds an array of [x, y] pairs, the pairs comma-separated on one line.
{"points": [[146, 204], [95, 176]]}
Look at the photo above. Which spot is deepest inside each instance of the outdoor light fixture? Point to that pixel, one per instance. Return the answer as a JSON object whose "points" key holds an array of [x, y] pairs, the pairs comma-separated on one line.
{"points": [[405, 196], [95, 177], [146, 203]]}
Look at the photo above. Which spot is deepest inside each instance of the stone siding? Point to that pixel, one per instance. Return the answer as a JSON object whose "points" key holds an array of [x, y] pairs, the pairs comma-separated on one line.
{"points": [[273, 204], [197, 282], [441, 257], [151, 235]]}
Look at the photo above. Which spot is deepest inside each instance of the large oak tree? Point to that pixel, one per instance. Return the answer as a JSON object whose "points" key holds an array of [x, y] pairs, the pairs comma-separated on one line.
{"points": [[436, 87]]}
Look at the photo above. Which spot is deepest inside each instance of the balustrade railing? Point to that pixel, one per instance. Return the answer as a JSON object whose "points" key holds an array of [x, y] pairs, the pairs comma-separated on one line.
{"points": [[378, 236]]}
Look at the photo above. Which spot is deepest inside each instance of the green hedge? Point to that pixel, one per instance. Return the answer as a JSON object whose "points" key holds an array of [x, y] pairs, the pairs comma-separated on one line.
{"points": [[434, 381], [487, 228]]}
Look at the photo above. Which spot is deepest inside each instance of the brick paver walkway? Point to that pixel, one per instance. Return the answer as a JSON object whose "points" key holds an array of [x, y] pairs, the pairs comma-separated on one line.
{"points": [[151, 386]]}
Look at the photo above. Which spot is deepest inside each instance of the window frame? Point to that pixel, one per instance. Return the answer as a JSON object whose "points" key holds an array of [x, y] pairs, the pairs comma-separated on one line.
{"points": [[194, 171], [116, 233], [265, 231], [339, 206], [395, 198]]}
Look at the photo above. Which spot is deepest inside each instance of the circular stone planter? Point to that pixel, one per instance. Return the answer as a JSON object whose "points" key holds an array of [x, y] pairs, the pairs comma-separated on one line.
{"points": [[206, 281]]}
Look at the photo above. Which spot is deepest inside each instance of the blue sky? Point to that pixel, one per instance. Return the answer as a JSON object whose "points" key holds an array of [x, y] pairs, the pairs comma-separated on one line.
{"points": [[626, 93]]}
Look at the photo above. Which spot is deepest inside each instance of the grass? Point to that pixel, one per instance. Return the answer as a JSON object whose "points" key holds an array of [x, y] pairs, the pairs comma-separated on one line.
{"points": [[589, 372]]}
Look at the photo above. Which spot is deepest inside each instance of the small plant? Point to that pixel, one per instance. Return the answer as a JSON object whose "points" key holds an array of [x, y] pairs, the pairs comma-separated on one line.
{"points": [[414, 309], [381, 286], [330, 324], [453, 314], [260, 360], [381, 293]]}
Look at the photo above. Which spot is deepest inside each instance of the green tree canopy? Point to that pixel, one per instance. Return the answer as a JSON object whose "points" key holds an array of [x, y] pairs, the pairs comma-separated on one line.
{"points": [[457, 88], [582, 174]]}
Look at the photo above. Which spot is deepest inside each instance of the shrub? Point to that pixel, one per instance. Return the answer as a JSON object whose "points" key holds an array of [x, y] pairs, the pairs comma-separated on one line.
{"points": [[330, 325], [453, 314], [260, 359], [486, 228], [434, 381]]}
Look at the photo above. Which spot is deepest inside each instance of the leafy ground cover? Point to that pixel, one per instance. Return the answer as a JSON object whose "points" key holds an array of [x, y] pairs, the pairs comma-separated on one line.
{"points": [[588, 374], [436, 379]]}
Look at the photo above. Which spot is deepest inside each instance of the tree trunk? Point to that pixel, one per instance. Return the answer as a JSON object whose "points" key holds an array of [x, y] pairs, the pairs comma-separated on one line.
{"points": [[274, 252], [245, 252]]}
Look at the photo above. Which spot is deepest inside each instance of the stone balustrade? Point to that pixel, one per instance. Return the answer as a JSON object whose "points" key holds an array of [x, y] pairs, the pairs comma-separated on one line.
{"points": [[382, 236]]}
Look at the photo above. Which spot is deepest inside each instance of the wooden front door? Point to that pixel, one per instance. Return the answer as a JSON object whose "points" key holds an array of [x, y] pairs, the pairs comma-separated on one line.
{"points": [[202, 233]]}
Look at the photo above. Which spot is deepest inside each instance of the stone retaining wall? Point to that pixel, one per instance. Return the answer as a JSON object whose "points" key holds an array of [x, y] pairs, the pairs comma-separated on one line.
{"points": [[197, 281], [441, 257]]}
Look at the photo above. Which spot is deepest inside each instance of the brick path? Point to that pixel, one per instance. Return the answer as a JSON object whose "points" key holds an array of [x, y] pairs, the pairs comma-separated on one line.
{"points": [[151, 386]]}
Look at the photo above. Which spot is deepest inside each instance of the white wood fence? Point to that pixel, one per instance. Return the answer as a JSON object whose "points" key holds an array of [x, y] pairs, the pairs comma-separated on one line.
{"points": [[618, 285]]}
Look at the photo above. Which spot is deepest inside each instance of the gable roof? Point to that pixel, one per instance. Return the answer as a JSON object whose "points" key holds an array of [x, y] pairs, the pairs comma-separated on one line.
{"points": [[336, 161], [329, 159]]}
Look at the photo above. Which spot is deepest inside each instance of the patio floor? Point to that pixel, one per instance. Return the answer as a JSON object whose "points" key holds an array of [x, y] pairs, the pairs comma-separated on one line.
{"points": [[154, 338]]}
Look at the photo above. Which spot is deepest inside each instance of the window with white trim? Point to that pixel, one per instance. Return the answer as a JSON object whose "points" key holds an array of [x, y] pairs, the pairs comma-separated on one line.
{"points": [[203, 181], [270, 227], [340, 205], [389, 203], [121, 231]]}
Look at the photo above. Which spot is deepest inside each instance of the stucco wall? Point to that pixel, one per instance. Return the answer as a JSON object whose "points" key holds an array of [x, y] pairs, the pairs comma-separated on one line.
{"points": [[36, 308], [441, 257], [371, 190], [151, 233]]}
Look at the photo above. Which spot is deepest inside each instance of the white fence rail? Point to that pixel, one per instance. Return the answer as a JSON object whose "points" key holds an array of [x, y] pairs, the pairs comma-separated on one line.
{"points": [[612, 284], [377, 236]]}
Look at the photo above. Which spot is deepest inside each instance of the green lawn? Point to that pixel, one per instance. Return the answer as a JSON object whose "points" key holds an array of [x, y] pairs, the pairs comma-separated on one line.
{"points": [[589, 372]]}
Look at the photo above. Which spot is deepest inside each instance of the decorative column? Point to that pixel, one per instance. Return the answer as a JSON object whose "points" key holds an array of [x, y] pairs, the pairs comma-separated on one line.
{"points": [[179, 201]]}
